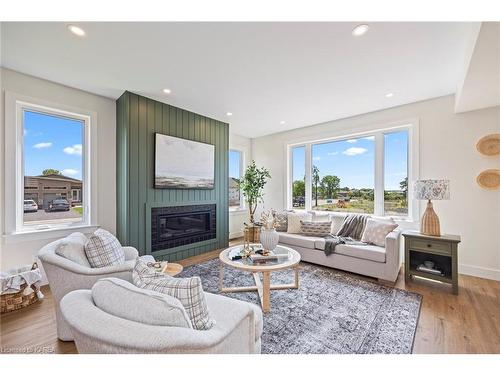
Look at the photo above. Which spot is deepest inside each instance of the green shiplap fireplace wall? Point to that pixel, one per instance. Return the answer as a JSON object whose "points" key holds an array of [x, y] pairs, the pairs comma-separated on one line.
{"points": [[138, 119]]}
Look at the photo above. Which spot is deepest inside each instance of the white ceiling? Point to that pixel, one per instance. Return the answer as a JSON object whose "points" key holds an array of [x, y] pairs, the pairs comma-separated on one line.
{"points": [[481, 84], [264, 73]]}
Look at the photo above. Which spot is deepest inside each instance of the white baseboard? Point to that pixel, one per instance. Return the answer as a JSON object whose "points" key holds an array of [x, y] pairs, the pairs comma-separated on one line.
{"points": [[234, 235], [483, 272]]}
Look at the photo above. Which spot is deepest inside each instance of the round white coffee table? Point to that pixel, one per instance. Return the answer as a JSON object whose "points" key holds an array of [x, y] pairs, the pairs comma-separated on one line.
{"points": [[262, 287]]}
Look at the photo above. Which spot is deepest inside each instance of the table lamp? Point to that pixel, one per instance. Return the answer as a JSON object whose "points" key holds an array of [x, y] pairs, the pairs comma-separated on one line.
{"points": [[428, 190]]}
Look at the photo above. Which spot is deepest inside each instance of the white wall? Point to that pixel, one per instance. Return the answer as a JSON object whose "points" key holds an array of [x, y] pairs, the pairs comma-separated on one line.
{"points": [[481, 84], [447, 150], [22, 249], [238, 217]]}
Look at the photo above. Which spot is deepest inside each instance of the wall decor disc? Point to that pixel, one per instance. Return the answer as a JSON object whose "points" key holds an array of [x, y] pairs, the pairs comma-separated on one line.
{"points": [[489, 145], [489, 179]]}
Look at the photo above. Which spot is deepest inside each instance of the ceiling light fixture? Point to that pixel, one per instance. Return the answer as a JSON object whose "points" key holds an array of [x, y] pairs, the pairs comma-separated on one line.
{"points": [[167, 91], [360, 30], [229, 113], [282, 122], [76, 30], [389, 95]]}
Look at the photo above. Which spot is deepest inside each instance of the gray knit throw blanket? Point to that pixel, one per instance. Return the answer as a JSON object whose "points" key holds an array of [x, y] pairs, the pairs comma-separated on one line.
{"points": [[349, 233]]}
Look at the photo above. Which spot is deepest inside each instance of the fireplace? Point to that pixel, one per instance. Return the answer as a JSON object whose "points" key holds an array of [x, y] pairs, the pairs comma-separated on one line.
{"points": [[182, 225]]}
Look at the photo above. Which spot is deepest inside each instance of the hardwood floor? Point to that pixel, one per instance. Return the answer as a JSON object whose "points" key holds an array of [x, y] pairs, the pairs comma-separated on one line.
{"points": [[467, 323]]}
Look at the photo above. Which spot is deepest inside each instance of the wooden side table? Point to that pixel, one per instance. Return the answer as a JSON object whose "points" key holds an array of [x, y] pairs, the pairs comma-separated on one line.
{"points": [[171, 269], [441, 250]]}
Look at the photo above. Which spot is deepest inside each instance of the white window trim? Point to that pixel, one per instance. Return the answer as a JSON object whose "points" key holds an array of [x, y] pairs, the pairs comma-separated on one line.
{"points": [[14, 168], [378, 131], [241, 207]]}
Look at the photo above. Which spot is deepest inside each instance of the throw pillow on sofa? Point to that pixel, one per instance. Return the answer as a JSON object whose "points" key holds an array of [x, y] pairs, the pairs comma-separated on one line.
{"points": [[337, 222], [103, 250], [376, 231], [72, 247], [282, 218], [188, 291], [294, 219], [316, 228]]}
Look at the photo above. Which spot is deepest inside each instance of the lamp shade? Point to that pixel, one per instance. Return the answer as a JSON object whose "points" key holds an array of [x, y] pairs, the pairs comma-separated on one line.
{"points": [[432, 189]]}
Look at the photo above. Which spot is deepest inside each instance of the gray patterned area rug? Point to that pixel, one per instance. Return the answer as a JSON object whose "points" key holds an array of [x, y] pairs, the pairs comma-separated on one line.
{"points": [[332, 312]]}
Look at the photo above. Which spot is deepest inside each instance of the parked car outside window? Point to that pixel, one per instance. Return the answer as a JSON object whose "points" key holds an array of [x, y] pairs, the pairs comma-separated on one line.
{"points": [[30, 205], [58, 205]]}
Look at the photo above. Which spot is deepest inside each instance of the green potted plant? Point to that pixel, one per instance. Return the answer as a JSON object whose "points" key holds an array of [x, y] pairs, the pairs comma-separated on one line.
{"points": [[251, 185]]}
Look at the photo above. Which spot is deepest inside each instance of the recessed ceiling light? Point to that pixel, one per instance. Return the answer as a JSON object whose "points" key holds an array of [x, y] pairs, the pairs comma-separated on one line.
{"points": [[76, 30], [360, 30], [389, 95], [229, 113], [282, 122], [167, 91]]}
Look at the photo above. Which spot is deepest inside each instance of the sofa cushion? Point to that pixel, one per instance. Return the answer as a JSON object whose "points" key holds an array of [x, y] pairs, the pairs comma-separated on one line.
{"points": [[188, 291], [319, 243], [72, 247], [122, 299], [294, 219], [103, 249], [315, 228], [368, 252], [299, 240], [376, 231]]}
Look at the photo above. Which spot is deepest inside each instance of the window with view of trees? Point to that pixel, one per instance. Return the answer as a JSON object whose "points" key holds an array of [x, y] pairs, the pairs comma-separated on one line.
{"points": [[342, 175], [396, 173], [298, 177], [53, 173], [363, 174]]}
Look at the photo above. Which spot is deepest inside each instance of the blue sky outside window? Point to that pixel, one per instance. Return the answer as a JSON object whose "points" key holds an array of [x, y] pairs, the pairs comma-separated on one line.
{"points": [[52, 142]]}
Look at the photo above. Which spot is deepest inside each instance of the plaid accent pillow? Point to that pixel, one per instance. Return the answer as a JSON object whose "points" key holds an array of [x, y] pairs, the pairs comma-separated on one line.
{"points": [[103, 249], [315, 228], [188, 291]]}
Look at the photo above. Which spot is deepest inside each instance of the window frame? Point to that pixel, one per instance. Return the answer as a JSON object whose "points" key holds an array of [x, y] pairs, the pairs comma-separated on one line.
{"points": [[241, 207], [378, 132], [290, 184], [408, 167], [15, 105]]}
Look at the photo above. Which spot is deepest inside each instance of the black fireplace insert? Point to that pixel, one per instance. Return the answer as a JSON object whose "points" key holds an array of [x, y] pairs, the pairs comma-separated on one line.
{"points": [[182, 225]]}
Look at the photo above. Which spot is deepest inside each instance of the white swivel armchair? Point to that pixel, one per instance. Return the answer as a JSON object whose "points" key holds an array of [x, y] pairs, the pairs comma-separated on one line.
{"points": [[117, 317], [65, 276]]}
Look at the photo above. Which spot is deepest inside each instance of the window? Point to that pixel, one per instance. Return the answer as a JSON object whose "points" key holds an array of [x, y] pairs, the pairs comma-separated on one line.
{"points": [[298, 187], [342, 175], [396, 173], [53, 168], [235, 170], [49, 178], [365, 173]]}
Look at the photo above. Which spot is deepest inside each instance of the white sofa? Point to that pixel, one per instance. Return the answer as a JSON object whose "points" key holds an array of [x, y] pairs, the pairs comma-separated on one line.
{"points": [[104, 325], [65, 276], [369, 260]]}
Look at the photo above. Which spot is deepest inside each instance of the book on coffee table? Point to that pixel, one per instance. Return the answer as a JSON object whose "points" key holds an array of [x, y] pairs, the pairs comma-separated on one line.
{"points": [[270, 257]]}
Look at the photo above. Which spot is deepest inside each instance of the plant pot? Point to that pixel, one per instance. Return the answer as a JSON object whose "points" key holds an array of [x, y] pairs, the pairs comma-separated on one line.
{"points": [[252, 234], [269, 238]]}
